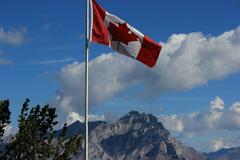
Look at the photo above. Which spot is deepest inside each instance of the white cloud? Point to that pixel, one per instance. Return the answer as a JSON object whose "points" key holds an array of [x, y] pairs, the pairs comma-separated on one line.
{"points": [[192, 60], [73, 117], [13, 37], [216, 119], [217, 144], [172, 123], [108, 75], [186, 61], [209, 126], [8, 131], [55, 61], [220, 143], [217, 105], [235, 107], [230, 120]]}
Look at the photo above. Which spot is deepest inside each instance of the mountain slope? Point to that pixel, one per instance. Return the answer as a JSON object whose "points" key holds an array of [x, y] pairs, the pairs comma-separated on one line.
{"points": [[78, 127], [225, 154], [137, 136]]}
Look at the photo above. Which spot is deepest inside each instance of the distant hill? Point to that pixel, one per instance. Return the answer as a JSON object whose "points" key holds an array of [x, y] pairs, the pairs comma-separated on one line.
{"points": [[225, 154]]}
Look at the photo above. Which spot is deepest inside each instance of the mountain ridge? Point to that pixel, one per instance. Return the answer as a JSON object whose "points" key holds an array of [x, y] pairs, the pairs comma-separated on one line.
{"points": [[225, 154], [136, 136]]}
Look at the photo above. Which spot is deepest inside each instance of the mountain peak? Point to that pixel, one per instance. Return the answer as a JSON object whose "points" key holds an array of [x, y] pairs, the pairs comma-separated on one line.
{"points": [[133, 112], [77, 123], [136, 136], [133, 115], [130, 115]]}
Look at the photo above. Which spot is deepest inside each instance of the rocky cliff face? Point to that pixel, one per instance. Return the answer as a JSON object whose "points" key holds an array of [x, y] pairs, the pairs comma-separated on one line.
{"points": [[137, 136]]}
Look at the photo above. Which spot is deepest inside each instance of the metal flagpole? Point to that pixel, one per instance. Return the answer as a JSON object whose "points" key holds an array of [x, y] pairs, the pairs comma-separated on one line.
{"points": [[86, 79]]}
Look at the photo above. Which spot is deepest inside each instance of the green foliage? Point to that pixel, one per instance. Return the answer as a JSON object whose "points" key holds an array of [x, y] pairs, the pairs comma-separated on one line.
{"points": [[36, 138], [4, 116]]}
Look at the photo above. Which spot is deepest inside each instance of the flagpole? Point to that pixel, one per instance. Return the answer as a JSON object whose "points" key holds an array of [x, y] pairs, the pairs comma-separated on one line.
{"points": [[86, 79]]}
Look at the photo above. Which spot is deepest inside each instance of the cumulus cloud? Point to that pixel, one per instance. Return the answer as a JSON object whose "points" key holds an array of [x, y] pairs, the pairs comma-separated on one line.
{"points": [[73, 117], [235, 107], [217, 105], [186, 61], [220, 143], [108, 75], [13, 37], [210, 126], [217, 144], [192, 60], [172, 123], [216, 118]]}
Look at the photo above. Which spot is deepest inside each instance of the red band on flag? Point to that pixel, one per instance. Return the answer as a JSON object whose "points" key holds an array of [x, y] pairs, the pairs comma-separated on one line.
{"points": [[109, 30], [149, 52], [99, 30]]}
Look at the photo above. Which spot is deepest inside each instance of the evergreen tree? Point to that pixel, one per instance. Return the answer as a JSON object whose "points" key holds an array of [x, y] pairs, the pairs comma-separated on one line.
{"points": [[36, 138], [4, 116]]}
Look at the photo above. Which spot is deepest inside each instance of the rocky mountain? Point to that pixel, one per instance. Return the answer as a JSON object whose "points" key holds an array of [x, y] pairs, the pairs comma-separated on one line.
{"points": [[225, 154], [78, 127], [135, 136]]}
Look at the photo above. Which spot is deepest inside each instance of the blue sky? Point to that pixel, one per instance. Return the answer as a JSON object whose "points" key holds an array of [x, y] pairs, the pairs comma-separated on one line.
{"points": [[40, 40]]}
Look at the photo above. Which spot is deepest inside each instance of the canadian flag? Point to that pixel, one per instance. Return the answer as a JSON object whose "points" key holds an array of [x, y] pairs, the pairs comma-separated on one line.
{"points": [[110, 30]]}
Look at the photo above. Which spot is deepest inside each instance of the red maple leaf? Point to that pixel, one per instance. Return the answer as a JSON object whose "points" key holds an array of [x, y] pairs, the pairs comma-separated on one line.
{"points": [[122, 33]]}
